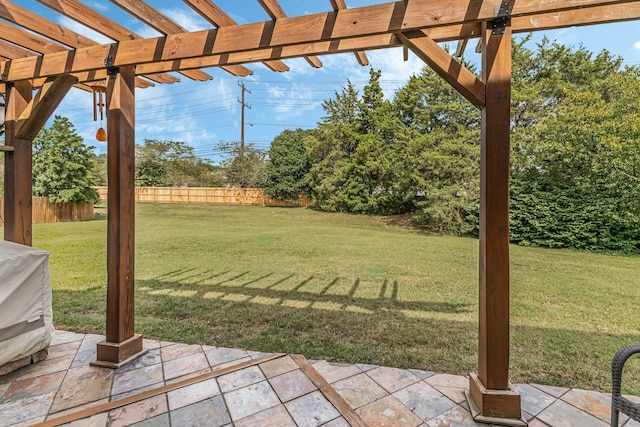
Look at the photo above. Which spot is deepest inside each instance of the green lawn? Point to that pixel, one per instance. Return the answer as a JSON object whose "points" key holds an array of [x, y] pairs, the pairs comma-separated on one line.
{"points": [[347, 288]]}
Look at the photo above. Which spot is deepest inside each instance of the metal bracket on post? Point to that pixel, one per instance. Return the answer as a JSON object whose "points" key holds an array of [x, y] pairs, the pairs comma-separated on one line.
{"points": [[499, 24], [3, 108], [112, 70], [7, 84]]}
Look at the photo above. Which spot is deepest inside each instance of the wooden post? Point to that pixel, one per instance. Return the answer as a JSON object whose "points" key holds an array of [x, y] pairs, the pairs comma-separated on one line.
{"points": [[18, 181], [121, 344], [490, 388]]}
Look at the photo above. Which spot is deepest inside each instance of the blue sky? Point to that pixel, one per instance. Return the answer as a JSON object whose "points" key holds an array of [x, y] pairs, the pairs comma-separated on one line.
{"points": [[204, 114]]}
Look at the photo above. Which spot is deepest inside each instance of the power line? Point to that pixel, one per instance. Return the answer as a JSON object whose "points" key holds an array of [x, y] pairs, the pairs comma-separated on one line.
{"points": [[283, 125]]}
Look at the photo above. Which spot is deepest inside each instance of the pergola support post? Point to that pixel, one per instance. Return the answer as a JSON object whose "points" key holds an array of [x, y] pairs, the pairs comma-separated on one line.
{"points": [[492, 396], [18, 166], [121, 344]]}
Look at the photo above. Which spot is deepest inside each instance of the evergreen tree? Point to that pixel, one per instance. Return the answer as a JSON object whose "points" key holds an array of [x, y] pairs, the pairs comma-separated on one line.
{"points": [[445, 152], [288, 166], [575, 151], [357, 155], [62, 164]]}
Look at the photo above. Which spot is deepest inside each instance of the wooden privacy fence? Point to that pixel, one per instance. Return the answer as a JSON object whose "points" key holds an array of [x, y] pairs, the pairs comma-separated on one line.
{"points": [[46, 211], [219, 195]]}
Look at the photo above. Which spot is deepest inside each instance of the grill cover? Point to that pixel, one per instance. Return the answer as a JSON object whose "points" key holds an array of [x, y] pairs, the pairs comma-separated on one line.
{"points": [[26, 317]]}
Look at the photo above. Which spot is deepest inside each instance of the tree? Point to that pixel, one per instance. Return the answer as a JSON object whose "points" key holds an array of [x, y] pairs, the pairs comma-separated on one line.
{"points": [[173, 164], [344, 108], [444, 152], [99, 169], [288, 166], [575, 165], [62, 164], [359, 154], [244, 165], [579, 186]]}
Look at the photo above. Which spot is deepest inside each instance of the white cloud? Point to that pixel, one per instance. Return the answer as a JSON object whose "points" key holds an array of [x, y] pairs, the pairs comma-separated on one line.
{"points": [[395, 71], [146, 32], [291, 101], [298, 67], [85, 31], [194, 114], [187, 19], [636, 45], [101, 6], [393, 66]]}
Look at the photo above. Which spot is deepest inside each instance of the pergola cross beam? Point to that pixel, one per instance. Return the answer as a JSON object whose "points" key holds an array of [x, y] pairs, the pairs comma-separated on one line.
{"points": [[360, 55], [85, 15], [457, 75], [42, 106], [275, 11], [25, 19], [166, 26], [300, 36], [216, 16]]}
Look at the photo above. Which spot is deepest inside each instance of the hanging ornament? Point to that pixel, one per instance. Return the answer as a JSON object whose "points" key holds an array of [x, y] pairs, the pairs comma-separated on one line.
{"points": [[99, 95], [101, 135]]}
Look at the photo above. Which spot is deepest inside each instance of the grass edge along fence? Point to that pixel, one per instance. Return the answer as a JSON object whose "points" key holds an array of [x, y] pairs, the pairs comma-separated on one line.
{"points": [[213, 195], [45, 211]]}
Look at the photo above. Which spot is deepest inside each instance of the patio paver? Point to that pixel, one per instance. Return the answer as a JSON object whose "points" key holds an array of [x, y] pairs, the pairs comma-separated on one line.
{"points": [[192, 385]]}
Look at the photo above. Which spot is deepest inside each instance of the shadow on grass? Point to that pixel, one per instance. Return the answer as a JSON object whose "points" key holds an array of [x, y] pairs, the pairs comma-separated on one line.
{"points": [[229, 290], [228, 309]]}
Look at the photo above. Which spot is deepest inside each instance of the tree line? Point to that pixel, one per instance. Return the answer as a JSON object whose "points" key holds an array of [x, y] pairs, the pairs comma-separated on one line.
{"points": [[575, 162]]}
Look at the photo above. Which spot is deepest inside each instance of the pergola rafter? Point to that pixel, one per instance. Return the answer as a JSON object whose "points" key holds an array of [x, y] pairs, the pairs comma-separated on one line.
{"points": [[84, 15], [274, 10], [49, 34], [163, 24], [360, 55], [212, 13], [56, 59], [243, 43]]}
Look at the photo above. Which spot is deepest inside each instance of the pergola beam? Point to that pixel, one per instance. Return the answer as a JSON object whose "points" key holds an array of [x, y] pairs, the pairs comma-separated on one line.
{"points": [[275, 11], [458, 76], [42, 105], [28, 40], [360, 55], [246, 42], [319, 48], [35, 43], [36, 23], [39, 25], [84, 15], [216, 16], [166, 26], [13, 51]]}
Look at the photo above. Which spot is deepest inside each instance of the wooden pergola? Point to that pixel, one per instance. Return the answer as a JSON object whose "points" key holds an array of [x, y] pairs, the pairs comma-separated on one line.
{"points": [[40, 61]]}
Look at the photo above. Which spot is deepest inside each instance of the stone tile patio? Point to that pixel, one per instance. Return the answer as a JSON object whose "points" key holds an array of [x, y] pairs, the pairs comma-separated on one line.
{"points": [[191, 385]]}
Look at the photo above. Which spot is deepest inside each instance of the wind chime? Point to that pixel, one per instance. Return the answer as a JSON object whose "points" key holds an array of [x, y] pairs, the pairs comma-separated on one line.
{"points": [[99, 95]]}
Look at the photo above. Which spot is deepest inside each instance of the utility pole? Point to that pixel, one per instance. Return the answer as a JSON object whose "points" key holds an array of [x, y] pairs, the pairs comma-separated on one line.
{"points": [[243, 104]]}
